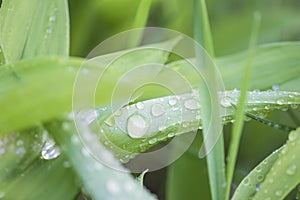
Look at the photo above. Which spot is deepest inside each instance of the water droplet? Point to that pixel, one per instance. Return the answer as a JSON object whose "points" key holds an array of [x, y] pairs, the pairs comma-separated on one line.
{"points": [[140, 105], [246, 181], [276, 87], [191, 104], [52, 18], [152, 141], [50, 150], [20, 151], [172, 102], [75, 139], [118, 113], [285, 149], [113, 187], [291, 170], [258, 168], [66, 164], [161, 128], [293, 136], [171, 134], [260, 178], [280, 101], [294, 106], [278, 193], [137, 126], [226, 101], [158, 110]]}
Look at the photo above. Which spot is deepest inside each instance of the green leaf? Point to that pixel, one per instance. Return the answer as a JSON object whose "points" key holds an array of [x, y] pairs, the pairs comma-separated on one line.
{"points": [[101, 179], [250, 183], [241, 107], [284, 175], [42, 180], [46, 92], [42, 30]]}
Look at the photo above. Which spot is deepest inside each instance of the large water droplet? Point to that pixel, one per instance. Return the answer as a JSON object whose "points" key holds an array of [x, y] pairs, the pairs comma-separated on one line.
{"points": [[191, 104], [113, 187], [50, 150], [137, 126], [291, 170], [158, 110]]}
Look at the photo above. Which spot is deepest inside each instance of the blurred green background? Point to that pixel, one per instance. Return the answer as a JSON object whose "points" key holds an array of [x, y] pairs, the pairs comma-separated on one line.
{"points": [[93, 21]]}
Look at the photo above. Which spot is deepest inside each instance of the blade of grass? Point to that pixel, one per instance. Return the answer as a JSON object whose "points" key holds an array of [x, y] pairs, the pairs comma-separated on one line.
{"points": [[241, 106], [140, 21], [215, 158]]}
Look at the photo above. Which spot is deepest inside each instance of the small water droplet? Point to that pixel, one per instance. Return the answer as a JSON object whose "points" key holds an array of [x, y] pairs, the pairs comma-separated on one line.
{"points": [[191, 104], [172, 102], [20, 143], [246, 181], [294, 106], [291, 170], [50, 150], [20, 151], [161, 128], [118, 113], [75, 139], [66, 164], [140, 105], [276, 87], [52, 18], [285, 149], [226, 101], [137, 126], [280, 101], [152, 141], [260, 178], [171, 134], [278, 193], [113, 187], [158, 110]]}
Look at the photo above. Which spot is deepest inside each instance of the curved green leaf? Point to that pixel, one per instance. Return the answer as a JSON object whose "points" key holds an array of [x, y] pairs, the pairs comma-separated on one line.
{"points": [[284, 175]]}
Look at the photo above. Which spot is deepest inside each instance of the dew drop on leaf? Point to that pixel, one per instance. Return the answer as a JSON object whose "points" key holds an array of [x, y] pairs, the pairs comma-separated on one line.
{"points": [[152, 141], [137, 126], [278, 193], [291, 170], [158, 110], [172, 102], [191, 104], [50, 150], [293, 136], [140, 105]]}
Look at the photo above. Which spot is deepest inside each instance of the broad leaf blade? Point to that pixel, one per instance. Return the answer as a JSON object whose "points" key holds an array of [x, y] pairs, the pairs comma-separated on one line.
{"points": [[34, 28]]}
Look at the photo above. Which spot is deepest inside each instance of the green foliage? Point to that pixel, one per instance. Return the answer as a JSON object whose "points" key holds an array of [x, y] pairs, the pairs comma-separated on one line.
{"points": [[37, 77]]}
